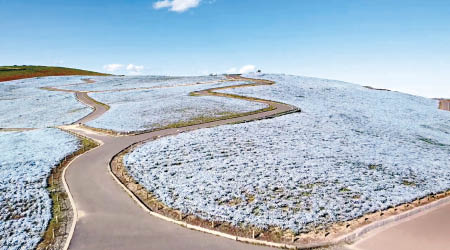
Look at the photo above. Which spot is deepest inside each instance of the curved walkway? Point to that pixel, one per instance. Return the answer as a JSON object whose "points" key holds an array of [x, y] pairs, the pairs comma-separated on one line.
{"points": [[99, 108], [427, 230], [107, 218]]}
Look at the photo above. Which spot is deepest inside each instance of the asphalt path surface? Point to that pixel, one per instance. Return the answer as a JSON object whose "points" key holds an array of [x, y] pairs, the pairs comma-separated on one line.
{"points": [[108, 218], [427, 230]]}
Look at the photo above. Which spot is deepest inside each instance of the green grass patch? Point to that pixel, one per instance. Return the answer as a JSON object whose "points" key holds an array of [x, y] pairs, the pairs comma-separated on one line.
{"points": [[374, 166], [207, 119], [233, 202], [356, 196], [88, 144], [59, 196], [344, 189], [305, 194], [431, 141], [75, 110], [256, 211], [408, 183]]}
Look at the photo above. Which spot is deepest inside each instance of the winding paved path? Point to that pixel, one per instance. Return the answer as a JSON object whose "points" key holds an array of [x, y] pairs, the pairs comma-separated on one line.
{"points": [[428, 230], [108, 218], [99, 109]]}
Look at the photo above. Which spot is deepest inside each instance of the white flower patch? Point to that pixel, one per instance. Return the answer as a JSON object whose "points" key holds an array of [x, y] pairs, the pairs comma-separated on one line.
{"points": [[47, 81], [350, 152], [148, 109], [129, 82], [24, 105], [26, 160]]}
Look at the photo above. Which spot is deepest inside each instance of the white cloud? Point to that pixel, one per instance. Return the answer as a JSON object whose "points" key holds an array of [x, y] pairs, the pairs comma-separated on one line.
{"points": [[162, 4], [247, 69], [113, 67], [176, 5], [130, 69], [243, 70], [134, 69]]}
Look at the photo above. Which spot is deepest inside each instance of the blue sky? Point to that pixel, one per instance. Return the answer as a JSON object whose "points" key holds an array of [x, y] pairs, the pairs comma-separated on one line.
{"points": [[400, 45]]}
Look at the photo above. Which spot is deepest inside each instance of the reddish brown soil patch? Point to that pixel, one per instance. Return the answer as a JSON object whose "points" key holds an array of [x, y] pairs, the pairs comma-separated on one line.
{"points": [[9, 73], [444, 104]]}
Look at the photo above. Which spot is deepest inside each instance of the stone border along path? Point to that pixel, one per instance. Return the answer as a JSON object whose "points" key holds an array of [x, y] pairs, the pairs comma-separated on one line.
{"points": [[250, 116], [342, 232], [426, 227], [60, 227], [107, 218]]}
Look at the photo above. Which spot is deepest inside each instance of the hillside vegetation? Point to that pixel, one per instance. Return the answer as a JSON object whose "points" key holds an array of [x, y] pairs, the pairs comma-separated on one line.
{"points": [[8, 73]]}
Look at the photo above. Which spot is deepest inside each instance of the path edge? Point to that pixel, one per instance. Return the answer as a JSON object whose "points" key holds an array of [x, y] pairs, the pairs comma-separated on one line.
{"points": [[189, 226], [394, 219], [345, 238], [348, 238], [69, 194]]}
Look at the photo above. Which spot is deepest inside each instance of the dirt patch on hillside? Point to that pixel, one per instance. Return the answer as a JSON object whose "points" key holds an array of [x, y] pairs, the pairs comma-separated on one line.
{"points": [[444, 104]]}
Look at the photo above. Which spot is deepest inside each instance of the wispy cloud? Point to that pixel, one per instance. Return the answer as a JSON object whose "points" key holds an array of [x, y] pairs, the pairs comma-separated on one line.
{"points": [[134, 69], [113, 67], [176, 5], [247, 69], [130, 69], [243, 70]]}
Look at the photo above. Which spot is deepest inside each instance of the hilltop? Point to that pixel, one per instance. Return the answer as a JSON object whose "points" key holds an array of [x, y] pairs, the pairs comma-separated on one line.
{"points": [[8, 73]]}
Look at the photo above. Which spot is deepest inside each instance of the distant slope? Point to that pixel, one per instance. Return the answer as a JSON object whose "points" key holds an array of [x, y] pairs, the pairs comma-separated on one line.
{"points": [[8, 73]]}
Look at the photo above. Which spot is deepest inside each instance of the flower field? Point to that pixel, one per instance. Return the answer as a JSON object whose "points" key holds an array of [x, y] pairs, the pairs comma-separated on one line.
{"points": [[351, 151]]}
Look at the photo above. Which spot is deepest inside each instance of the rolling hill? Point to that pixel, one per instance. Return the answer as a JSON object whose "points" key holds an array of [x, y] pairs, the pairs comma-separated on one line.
{"points": [[8, 73]]}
